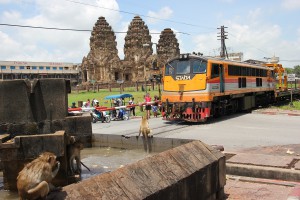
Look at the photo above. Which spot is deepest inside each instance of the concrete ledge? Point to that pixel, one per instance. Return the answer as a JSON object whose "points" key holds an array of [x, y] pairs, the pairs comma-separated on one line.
{"points": [[156, 144], [263, 172]]}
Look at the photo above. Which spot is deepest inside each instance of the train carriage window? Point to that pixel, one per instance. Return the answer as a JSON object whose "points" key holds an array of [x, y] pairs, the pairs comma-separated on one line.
{"points": [[256, 72], [253, 71], [265, 73], [242, 71], [183, 67], [170, 67], [238, 71], [249, 71], [215, 70], [231, 70], [199, 66]]}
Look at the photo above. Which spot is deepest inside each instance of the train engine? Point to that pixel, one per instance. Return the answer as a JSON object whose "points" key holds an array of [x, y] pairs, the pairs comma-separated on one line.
{"points": [[196, 88]]}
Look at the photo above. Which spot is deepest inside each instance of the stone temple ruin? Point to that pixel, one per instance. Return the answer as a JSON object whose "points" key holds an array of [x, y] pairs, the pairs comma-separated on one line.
{"points": [[167, 47], [103, 65], [102, 62]]}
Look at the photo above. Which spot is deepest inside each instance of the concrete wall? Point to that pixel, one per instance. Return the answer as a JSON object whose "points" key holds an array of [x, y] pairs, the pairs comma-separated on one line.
{"points": [[15, 101], [35, 105], [190, 171], [33, 110]]}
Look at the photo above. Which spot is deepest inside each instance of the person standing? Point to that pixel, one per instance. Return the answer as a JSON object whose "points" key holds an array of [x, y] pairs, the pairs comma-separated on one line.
{"points": [[73, 105], [155, 106], [132, 109], [88, 103], [148, 106]]}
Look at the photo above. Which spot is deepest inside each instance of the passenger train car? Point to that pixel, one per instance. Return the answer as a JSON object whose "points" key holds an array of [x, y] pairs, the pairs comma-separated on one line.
{"points": [[196, 88]]}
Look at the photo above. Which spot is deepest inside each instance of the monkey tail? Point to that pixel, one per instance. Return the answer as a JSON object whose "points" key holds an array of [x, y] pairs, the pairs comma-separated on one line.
{"points": [[41, 190], [85, 166]]}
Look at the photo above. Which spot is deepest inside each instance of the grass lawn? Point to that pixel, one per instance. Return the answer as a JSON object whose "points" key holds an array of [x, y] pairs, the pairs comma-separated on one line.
{"points": [[84, 95], [296, 106]]}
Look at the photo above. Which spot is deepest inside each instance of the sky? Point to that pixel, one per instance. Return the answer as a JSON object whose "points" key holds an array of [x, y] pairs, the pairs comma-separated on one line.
{"points": [[258, 28]]}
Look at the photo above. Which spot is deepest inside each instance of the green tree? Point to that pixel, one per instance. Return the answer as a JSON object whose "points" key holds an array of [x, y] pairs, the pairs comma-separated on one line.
{"points": [[297, 70], [289, 70]]}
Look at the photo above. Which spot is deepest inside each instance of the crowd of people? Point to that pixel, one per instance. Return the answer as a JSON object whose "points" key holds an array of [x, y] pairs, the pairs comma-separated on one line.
{"points": [[149, 106]]}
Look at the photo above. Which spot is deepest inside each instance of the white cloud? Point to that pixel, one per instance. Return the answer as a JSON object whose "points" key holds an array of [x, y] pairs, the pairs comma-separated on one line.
{"points": [[5, 1], [51, 45], [10, 45], [291, 4], [163, 13], [255, 38]]}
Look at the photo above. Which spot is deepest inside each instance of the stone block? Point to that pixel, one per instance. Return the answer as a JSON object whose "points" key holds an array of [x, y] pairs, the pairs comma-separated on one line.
{"points": [[23, 149], [80, 127]]}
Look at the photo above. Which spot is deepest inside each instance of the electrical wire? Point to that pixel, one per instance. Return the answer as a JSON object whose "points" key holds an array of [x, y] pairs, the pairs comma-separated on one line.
{"points": [[67, 29], [251, 45], [131, 13]]}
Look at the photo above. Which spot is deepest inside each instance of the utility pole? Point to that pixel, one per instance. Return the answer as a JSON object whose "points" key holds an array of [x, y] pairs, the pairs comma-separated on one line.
{"points": [[223, 36]]}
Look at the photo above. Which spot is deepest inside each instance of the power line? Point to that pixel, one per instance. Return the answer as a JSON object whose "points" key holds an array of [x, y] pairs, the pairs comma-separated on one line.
{"points": [[251, 45], [48, 28], [131, 13], [67, 29]]}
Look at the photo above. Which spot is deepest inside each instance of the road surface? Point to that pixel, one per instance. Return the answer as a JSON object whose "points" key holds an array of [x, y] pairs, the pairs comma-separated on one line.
{"points": [[235, 132]]}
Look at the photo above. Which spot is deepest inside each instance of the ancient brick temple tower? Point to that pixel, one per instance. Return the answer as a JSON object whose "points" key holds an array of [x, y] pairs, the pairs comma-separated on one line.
{"points": [[103, 65], [167, 47], [102, 62], [137, 50]]}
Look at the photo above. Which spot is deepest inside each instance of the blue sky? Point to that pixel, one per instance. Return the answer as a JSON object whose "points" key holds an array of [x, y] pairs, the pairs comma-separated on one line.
{"points": [[258, 28]]}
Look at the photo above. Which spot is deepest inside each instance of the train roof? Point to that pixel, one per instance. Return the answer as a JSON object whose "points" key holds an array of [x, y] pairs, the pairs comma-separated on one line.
{"points": [[207, 58]]}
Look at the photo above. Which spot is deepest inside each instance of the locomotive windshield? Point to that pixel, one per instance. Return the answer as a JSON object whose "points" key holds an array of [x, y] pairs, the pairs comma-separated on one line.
{"points": [[191, 66], [183, 67]]}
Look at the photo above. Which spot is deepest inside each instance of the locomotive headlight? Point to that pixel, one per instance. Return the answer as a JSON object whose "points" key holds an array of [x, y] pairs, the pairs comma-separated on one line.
{"points": [[184, 56]]}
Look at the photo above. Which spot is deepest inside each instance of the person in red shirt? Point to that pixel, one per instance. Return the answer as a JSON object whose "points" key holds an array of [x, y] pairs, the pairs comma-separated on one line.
{"points": [[148, 106]]}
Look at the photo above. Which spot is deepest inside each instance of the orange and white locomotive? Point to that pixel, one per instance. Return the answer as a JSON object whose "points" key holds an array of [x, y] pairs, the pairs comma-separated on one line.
{"points": [[196, 88]]}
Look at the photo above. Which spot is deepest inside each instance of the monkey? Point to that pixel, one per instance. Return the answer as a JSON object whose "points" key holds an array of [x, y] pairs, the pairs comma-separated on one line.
{"points": [[74, 154], [34, 180], [146, 131], [144, 128]]}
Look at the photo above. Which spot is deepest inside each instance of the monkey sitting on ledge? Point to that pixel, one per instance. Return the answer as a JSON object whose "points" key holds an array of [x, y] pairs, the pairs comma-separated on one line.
{"points": [[144, 128], [34, 181]]}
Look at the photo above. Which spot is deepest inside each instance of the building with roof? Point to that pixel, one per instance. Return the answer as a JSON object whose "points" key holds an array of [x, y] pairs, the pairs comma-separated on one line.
{"points": [[10, 70]]}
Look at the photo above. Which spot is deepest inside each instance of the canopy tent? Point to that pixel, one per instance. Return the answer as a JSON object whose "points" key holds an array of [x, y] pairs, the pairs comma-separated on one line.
{"points": [[117, 96]]}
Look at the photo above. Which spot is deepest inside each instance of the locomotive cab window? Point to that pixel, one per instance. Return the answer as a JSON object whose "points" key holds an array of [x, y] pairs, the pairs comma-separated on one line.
{"points": [[199, 67], [183, 67], [215, 70], [170, 67]]}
